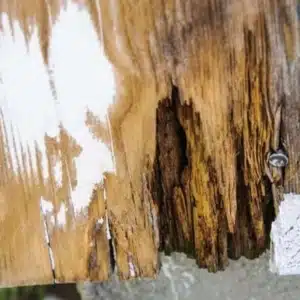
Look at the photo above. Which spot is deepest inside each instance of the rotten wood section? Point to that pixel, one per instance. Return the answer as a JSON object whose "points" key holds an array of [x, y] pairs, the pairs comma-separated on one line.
{"points": [[201, 86], [218, 70]]}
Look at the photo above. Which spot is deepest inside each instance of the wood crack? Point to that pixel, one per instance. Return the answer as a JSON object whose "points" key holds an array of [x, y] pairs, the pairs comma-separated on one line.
{"points": [[50, 251], [170, 171]]}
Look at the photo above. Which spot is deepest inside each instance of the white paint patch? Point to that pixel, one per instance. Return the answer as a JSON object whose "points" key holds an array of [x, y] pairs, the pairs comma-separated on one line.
{"points": [[108, 235], [25, 97], [104, 194], [61, 215], [52, 220], [46, 206], [83, 79], [285, 235], [131, 268], [100, 221], [46, 232], [51, 258], [58, 173], [48, 209]]}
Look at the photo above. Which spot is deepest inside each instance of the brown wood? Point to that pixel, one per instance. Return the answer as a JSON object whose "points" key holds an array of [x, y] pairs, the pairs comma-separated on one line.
{"points": [[24, 256], [206, 89]]}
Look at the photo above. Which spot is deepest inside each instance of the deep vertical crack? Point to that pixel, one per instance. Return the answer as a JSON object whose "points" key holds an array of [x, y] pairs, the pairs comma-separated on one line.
{"points": [[170, 162]]}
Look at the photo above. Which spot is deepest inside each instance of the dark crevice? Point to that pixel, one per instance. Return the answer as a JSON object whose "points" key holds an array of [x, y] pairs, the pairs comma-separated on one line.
{"points": [[50, 251], [98, 231], [54, 275], [242, 242], [268, 210], [112, 254], [180, 131], [93, 264], [170, 162]]}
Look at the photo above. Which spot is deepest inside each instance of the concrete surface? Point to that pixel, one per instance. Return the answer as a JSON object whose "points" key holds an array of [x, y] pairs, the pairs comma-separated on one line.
{"points": [[180, 278]]}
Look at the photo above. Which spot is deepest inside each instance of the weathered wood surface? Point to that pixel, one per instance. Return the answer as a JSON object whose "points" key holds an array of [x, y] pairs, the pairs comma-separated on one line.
{"points": [[200, 88]]}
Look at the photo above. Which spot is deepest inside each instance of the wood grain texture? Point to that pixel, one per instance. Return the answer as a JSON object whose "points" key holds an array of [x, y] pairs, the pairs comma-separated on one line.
{"points": [[291, 98], [227, 61], [80, 247], [200, 85], [80, 240], [24, 256]]}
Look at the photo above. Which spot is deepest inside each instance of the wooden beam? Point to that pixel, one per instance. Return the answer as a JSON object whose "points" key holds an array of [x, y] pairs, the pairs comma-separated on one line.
{"points": [[205, 91]]}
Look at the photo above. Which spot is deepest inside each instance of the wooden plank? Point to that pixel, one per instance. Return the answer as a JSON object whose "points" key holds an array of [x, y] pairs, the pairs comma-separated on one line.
{"points": [[201, 86], [78, 239], [53, 159], [24, 255]]}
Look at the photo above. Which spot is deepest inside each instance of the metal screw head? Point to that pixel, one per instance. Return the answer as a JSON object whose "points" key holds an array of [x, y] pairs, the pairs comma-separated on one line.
{"points": [[278, 159]]}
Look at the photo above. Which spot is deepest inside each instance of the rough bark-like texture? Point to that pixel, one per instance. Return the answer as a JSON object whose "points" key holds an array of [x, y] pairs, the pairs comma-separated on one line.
{"points": [[190, 219], [201, 89], [224, 59], [174, 205]]}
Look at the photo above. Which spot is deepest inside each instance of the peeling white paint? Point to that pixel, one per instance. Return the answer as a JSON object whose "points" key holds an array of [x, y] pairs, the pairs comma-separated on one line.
{"points": [[108, 235], [46, 206], [51, 258], [52, 220], [46, 232], [100, 221], [61, 215], [58, 173], [285, 235], [24, 80], [131, 268], [104, 194], [84, 80]]}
